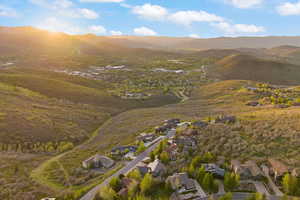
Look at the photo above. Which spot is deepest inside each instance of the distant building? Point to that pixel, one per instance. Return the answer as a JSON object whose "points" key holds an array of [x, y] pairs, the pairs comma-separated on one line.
{"points": [[199, 124], [48, 198], [98, 161]]}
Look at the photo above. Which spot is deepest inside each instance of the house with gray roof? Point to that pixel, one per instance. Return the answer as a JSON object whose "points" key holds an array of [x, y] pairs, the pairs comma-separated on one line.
{"points": [[98, 161]]}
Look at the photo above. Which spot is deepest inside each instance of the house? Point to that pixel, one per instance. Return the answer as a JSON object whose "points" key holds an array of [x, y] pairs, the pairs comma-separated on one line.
{"points": [[184, 125], [186, 142], [247, 170], [142, 168], [162, 129], [235, 165], [48, 198], [146, 137], [199, 124], [215, 170], [225, 119], [252, 103], [130, 156], [157, 168], [172, 151], [121, 150], [189, 132], [185, 188], [98, 161], [173, 122], [255, 171], [278, 168], [181, 183]]}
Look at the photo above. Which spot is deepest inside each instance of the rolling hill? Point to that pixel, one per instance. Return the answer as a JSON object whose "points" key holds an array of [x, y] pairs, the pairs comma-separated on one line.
{"points": [[245, 67]]}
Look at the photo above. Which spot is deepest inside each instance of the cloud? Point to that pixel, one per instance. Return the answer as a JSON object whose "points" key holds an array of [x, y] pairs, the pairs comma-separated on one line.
{"points": [[144, 31], [55, 25], [245, 3], [88, 14], [7, 12], [97, 29], [233, 29], [288, 8], [194, 36], [101, 1], [66, 8], [150, 12], [116, 33], [188, 17]]}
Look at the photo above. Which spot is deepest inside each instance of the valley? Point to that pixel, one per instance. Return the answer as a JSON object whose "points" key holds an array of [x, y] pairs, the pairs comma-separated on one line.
{"points": [[67, 98]]}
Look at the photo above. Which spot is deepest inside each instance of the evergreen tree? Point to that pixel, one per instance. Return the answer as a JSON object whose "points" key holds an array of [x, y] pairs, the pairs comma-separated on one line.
{"points": [[231, 181], [147, 184], [115, 184], [141, 148], [164, 157]]}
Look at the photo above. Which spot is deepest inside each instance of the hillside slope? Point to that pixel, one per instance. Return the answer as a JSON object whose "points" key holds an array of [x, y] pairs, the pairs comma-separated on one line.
{"points": [[245, 67]]}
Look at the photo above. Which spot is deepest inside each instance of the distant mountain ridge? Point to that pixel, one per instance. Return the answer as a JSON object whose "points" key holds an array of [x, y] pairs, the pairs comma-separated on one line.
{"points": [[172, 43]]}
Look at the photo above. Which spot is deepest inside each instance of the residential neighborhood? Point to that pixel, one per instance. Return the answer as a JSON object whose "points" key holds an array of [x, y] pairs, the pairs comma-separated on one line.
{"points": [[171, 164]]}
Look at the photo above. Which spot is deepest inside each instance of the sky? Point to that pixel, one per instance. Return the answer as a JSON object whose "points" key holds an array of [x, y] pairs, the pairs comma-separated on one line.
{"points": [[175, 18]]}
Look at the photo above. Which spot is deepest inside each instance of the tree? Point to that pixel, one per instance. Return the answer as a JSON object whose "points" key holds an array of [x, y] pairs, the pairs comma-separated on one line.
{"points": [[133, 189], [152, 156], [196, 162], [141, 148], [200, 173], [290, 184], [164, 157], [115, 184], [208, 157], [107, 193], [231, 181], [257, 196], [135, 174], [227, 196], [147, 184], [208, 183]]}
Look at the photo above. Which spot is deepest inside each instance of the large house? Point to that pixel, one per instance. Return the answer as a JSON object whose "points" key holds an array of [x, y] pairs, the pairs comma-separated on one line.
{"points": [[278, 168], [156, 168], [185, 188], [98, 161], [146, 137], [247, 170]]}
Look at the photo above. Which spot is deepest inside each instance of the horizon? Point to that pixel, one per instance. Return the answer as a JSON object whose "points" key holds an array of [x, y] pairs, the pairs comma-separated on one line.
{"points": [[205, 19], [149, 36]]}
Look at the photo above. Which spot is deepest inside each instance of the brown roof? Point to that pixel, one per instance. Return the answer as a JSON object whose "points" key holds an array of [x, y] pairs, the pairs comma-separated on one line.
{"points": [[235, 163], [278, 166], [254, 169]]}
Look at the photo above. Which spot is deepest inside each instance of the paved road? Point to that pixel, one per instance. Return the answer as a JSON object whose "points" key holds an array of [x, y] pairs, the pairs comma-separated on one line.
{"points": [[125, 170]]}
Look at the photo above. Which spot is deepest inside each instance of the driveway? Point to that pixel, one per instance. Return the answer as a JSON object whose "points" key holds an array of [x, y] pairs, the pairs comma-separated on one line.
{"points": [[260, 187]]}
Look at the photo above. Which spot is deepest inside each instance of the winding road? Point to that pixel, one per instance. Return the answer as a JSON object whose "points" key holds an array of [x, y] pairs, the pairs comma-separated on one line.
{"points": [[125, 170]]}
